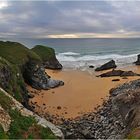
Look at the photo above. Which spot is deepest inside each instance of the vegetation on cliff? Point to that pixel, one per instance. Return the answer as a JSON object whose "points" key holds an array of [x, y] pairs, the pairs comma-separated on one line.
{"points": [[48, 56], [16, 64], [44, 52], [16, 53], [20, 126]]}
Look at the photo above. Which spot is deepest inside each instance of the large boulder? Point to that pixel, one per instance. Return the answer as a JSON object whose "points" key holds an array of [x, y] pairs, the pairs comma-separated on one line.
{"points": [[120, 73], [138, 60], [109, 65], [36, 76]]}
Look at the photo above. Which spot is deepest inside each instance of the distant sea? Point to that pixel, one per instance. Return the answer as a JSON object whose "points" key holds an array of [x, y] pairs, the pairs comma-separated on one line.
{"points": [[80, 53]]}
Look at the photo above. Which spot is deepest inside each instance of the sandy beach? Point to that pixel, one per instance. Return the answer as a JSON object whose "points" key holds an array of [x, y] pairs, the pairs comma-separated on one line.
{"points": [[81, 94]]}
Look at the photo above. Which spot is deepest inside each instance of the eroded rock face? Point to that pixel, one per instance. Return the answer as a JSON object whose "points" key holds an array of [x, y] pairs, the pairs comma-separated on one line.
{"points": [[115, 119], [36, 76], [119, 73], [5, 76], [52, 64], [138, 60], [127, 101], [109, 65], [5, 119]]}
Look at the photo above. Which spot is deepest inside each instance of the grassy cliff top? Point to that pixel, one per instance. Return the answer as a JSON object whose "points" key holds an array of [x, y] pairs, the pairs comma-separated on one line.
{"points": [[16, 53], [44, 52]]}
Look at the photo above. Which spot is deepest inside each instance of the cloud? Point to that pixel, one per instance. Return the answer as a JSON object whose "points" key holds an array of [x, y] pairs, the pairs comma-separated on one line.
{"points": [[69, 19]]}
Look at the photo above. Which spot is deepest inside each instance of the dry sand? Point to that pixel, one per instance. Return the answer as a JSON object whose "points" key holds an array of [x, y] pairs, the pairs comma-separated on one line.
{"points": [[81, 93]]}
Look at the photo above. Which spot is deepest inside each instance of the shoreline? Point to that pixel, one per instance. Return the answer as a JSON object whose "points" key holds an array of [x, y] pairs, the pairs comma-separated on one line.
{"points": [[82, 93]]}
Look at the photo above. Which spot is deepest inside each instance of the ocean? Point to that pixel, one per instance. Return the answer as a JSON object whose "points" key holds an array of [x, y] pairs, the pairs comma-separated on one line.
{"points": [[80, 53]]}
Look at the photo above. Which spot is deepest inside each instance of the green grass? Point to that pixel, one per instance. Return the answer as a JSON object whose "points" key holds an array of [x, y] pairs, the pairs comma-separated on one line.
{"points": [[19, 124], [44, 52], [3, 135], [134, 134], [22, 126], [26, 127], [16, 53], [15, 83], [5, 101]]}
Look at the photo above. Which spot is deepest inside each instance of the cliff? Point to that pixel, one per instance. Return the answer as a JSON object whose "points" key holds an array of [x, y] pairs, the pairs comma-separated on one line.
{"points": [[17, 122], [48, 57], [18, 65]]}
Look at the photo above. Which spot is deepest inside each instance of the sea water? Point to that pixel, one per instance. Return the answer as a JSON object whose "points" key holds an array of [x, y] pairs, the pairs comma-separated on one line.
{"points": [[80, 53]]}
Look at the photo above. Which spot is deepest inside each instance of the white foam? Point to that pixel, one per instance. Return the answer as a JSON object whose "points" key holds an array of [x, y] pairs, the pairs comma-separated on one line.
{"points": [[70, 53], [68, 57], [69, 60]]}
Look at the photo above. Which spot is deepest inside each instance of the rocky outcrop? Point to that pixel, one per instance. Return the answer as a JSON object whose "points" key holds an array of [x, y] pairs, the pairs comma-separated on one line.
{"points": [[5, 119], [52, 64], [109, 65], [48, 57], [25, 112], [138, 60], [127, 101], [120, 73], [5, 76], [117, 118], [91, 66], [36, 76]]}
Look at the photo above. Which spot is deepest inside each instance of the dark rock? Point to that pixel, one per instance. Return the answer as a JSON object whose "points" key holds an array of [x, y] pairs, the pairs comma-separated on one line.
{"points": [[91, 66], [5, 76], [30, 95], [36, 76], [59, 107], [109, 65], [118, 73], [114, 80], [52, 64], [138, 60], [124, 78]]}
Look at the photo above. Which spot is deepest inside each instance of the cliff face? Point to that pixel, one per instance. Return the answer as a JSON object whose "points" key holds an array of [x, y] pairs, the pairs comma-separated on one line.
{"points": [[48, 57], [12, 81], [18, 65], [126, 99], [17, 122]]}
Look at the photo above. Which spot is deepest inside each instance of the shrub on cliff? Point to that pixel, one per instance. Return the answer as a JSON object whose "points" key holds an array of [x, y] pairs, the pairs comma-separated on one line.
{"points": [[48, 56]]}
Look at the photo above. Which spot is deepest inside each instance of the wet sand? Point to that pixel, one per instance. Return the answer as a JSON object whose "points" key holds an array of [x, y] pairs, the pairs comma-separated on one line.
{"points": [[81, 93]]}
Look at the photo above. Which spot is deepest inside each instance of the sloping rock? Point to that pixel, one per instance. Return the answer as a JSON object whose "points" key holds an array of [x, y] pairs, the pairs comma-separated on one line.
{"points": [[41, 121], [138, 60], [109, 65], [118, 73], [5, 119], [52, 64], [37, 77]]}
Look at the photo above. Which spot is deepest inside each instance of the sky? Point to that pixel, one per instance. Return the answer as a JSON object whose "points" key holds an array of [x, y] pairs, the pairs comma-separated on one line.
{"points": [[69, 19]]}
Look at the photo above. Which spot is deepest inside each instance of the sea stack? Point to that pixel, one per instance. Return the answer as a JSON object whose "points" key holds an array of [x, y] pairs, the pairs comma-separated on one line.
{"points": [[109, 65]]}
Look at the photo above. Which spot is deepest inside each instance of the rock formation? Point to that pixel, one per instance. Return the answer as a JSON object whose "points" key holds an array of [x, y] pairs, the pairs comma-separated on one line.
{"points": [[36, 76], [138, 60], [120, 73], [48, 57], [109, 65]]}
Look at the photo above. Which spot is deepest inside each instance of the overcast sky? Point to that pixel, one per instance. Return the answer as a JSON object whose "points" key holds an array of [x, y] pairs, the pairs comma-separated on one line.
{"points": [[69, 19]]}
